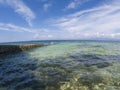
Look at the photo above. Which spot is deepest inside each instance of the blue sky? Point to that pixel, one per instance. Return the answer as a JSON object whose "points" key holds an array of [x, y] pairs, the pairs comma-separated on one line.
{"points": [[22, 20]]}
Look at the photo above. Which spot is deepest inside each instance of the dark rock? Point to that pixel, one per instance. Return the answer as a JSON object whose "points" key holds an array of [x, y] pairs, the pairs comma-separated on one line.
{"points": [[10, 49]]}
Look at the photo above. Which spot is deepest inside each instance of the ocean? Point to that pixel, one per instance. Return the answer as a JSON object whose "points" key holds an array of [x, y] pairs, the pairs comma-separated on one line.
{"points": [[62, 65]]}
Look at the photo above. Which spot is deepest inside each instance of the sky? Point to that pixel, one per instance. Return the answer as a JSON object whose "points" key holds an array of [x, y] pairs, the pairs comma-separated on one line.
{"points": [[24, 20]]}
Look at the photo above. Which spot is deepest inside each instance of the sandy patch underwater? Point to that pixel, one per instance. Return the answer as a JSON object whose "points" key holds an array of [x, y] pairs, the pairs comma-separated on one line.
{"points": [[63, 66]]}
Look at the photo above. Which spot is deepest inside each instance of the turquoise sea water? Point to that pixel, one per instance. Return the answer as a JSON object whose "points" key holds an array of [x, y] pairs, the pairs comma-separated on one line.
{"points": [[63, 65]]}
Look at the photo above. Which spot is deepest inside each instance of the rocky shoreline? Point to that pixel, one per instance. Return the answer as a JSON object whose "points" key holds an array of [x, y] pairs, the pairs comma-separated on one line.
{"points": [[10, 49]]}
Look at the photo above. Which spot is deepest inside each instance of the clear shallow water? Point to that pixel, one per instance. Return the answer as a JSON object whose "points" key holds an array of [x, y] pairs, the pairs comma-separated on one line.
{"points": [[63, 66]]}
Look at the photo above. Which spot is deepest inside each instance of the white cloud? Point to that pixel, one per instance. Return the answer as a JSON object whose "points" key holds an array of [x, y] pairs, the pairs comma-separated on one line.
{"points": [[36, 36], [14, 28], [49, 36], [99, 22], [74, 4], [46, 6], [20, 8], [37, 33]]}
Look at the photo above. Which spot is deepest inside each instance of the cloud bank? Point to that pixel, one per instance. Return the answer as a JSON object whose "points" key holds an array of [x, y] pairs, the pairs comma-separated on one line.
{"points": [[98, 22]]}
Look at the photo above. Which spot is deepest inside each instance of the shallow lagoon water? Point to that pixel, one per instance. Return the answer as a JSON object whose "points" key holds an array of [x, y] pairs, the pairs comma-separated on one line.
{"points": [[63, 66]]}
